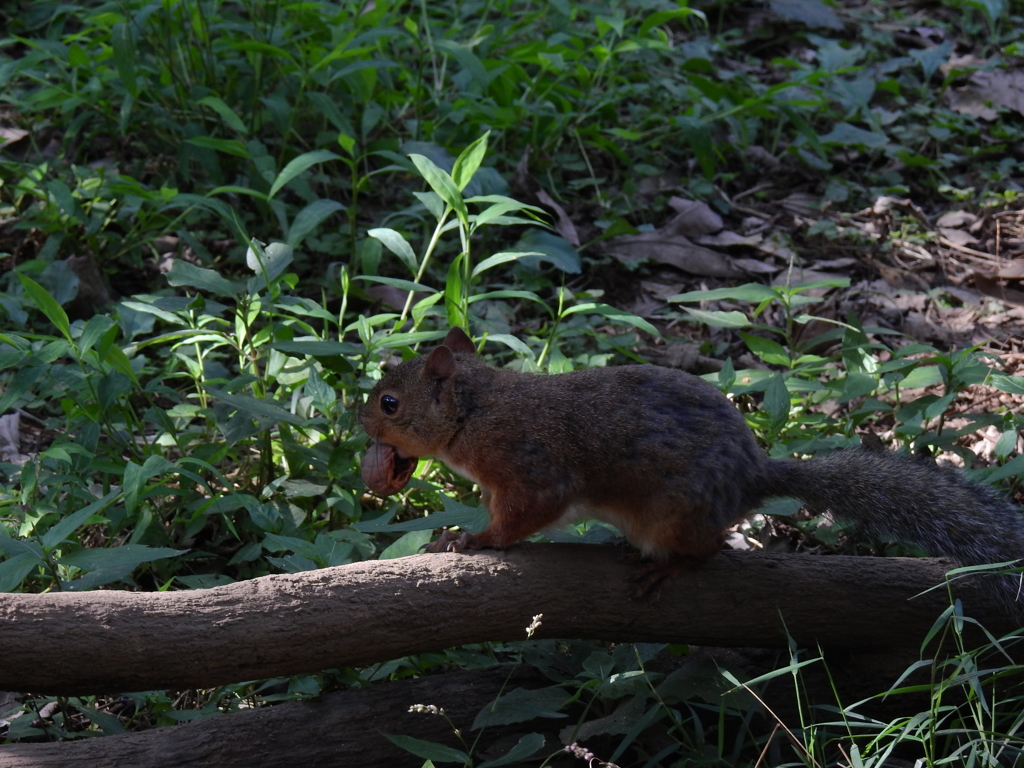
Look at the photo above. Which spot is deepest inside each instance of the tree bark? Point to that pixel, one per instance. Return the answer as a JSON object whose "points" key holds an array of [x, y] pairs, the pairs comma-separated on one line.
{"points": [[112, 641], [338, 729]]}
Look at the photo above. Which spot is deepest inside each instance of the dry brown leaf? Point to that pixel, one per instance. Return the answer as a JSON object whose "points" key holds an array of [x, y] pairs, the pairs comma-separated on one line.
{"points": [[841, 263], [955, 219], [693, 218], [1004, 88], [990, 286], [957, 236], [11, 135], [727, 237], [776, 244], [676, 251], [755, 267], [798, 275], [1012, 270], [970, 100], [801, 204], [563, 224]]}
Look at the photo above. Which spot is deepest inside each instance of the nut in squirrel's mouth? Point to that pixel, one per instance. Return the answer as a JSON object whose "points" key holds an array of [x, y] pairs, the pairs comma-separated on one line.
{"points": [[385, 470]]}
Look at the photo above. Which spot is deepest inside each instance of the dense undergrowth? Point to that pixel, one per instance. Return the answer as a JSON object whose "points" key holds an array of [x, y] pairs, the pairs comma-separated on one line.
{"points": [[219, 221]]}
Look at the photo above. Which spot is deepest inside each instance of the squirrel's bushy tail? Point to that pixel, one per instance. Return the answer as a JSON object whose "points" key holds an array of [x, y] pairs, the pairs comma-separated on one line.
{"points": [[897, 497]]}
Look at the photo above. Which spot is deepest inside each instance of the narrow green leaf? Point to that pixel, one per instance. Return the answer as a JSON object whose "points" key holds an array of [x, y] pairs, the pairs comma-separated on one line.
{"points": [[466, 164], [776, 403], [124, 56], [658, 18], [501, 258], [768, 350], [752, 292], [190, 276], [20, 384], [46, 304], [454, 294], [405, 285], [226, 113], [315, 348], [299, 165], [408, 544], [72, 522], [526, 746], [124, 556], [252, 406], [520, 705], [398, 245], [227, 146], [428, 750], [14, 570], [442, 184], [717, 319], [617, 315]]}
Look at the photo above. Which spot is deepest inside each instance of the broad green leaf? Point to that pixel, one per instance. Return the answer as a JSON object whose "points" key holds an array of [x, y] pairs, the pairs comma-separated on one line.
{"points": [[408, 544], [520, 705], [925, 376], [467, 163], [309, 218], [46, 304], [617, 315], [453, 294], [1013, 385], [473, 519], [315, 348], [135, 477], [442, 184], [299, 165], [847, 135], [776, 403], [768, 350], [20, 384], [428, 750], [124, 56], [226, 113], [733, 319], [227, 146], [526, 746], [72, 522], [557, 250], [501, 258], [398, 245], [658, 18], [698, 135], [405, 285], [254, 407], [467, 59], [268, 261], [14, 570], [65, 199], [94, 329], [124, 556], [752, 292], [184, 274]]}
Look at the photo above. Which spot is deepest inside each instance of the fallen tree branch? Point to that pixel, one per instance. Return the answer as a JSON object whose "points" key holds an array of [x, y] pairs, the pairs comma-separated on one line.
{"points": [[344, 728], [109, 641]]}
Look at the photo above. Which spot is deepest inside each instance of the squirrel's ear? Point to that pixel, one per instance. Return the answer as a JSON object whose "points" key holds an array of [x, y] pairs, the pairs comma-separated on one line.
{"points": [[458, 341], [440, 365]]}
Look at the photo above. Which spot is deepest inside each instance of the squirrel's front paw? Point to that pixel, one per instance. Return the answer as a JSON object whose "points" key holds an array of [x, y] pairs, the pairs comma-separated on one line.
{"points": [[454, 542]]}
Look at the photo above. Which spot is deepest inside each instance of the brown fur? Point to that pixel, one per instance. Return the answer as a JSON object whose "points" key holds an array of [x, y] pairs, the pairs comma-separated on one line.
{"points": [[659, 453]]}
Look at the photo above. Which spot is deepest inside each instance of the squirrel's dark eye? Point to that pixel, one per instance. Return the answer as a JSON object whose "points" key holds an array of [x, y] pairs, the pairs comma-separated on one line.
{"points": [[389, 405]]}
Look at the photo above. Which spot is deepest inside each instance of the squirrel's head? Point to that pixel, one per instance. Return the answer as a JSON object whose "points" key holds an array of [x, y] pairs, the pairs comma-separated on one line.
{"points": [[412, 412]]}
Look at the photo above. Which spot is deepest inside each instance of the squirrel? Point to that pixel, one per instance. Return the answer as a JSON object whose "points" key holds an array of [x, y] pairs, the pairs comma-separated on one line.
{"points": [[659, 453]]}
